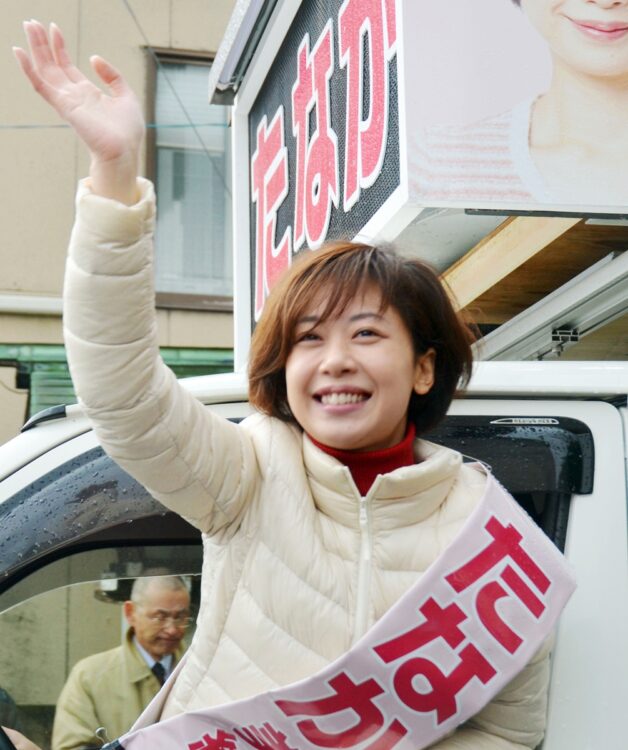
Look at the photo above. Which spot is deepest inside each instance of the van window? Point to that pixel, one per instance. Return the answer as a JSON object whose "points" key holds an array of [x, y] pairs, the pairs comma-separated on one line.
{"points": [[541, 461], [88, 502], [43, 636], [73, 542]]}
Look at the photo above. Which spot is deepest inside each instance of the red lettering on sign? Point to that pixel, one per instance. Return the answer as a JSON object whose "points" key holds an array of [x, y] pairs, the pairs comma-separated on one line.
{"points": [[265, 737], [302, 99], [391, 24], [487, 598], [485, 604], [269, 176], [358, 697], [439, 623], [222, 741], [365, 139], [506, 544], [523, 591], [442, 697], [367, 41], [317, 183]]}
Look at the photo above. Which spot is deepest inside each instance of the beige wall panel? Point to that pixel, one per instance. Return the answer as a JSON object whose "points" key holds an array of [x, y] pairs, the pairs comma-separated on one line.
{"points": [[94, 626], [51, 633], [18, 103], [109, 30], [199, 24], [163, 328], [30, 329], [187, 328], [36, 209], [10, 424], [33, 648], [200, 329], [150, 18], [12, 405]]}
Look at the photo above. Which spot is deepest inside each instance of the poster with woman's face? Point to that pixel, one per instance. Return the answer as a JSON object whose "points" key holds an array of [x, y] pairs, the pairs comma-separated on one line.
{"points": [[517, 105]]}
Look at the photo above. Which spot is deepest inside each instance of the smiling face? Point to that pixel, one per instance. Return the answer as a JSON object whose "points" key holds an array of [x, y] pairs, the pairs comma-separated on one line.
{"points": [[587, 36], [349, 377]]}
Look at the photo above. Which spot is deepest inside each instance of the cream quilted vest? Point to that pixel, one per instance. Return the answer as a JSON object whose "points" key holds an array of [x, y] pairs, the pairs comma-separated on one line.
{"points": [[297, 565]]}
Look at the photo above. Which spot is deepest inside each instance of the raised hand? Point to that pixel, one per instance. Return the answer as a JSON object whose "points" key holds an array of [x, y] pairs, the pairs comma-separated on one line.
{"points": [[109, 123]]}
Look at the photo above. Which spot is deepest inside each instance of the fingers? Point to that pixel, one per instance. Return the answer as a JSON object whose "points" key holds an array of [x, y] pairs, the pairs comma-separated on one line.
{"points": [[40, 66], [36, 80], [49, 59], [109, 75], [37, 38], [24, 62], [61, 56], [49, 65]]}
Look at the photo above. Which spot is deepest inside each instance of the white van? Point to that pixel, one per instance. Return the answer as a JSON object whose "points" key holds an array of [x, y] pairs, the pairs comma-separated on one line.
{"points": [[77, 530]]}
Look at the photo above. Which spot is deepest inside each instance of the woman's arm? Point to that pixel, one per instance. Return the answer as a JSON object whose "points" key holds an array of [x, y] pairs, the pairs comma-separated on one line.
{"points": [[200, 466]]}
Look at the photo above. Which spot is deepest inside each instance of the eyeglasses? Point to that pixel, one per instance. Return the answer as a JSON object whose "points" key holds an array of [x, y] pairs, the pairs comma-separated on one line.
{"points": [[162, 618]]}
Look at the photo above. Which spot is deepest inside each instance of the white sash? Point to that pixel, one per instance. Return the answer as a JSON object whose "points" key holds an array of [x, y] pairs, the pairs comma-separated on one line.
{"points": [[439, 655]]}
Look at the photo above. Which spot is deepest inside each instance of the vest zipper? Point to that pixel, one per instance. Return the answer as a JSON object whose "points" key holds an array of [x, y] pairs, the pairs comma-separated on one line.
{"points": [[364, 572]]}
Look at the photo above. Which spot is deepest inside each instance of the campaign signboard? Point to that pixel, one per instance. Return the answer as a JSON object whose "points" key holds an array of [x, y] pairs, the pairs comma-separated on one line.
{"points": [[323, 133], [369, 112], [516, 106]]}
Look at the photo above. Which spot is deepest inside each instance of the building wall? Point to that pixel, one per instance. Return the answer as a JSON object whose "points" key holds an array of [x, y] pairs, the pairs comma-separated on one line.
{"points": [[12, 404], [42, 161]]}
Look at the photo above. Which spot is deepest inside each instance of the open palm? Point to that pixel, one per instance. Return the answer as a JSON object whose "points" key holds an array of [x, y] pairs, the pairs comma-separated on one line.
{"points": [[109, 123]]}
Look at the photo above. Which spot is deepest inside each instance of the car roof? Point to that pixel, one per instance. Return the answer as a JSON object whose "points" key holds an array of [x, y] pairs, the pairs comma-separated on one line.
{"points": [[603, 380]]}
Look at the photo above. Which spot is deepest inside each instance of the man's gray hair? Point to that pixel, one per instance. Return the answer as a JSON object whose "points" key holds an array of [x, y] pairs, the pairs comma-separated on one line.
{"points": [[161, 583]]}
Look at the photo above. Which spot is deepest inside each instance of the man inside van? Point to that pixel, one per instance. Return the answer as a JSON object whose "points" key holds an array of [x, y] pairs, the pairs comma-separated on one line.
{"points": [[107, 691]]}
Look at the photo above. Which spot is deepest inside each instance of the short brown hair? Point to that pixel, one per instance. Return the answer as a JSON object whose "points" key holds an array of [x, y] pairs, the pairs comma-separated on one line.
{"points": [[339, 271]]}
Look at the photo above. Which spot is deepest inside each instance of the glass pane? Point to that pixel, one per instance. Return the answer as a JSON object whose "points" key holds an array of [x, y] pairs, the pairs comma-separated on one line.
{"points": [[43, 637], [193, 237]]}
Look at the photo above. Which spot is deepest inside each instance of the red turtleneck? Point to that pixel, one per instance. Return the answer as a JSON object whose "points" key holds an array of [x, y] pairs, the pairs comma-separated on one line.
{"points": [[366, 465]]}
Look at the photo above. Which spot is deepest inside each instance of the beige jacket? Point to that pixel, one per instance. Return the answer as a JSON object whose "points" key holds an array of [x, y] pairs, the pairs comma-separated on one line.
{"points": [[109, 690], [297, 565]]}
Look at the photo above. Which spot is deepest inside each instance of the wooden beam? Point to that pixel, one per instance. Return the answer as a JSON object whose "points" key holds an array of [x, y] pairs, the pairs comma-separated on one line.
{"points": [[510, 245], [562, 260]]}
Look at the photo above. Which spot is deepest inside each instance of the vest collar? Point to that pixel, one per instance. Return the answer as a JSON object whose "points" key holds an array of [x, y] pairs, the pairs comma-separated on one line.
{"points": [[406, 495], [365, 466]]}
